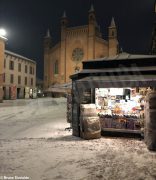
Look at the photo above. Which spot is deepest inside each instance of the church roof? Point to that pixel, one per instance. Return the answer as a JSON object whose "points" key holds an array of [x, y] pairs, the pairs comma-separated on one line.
{"points": [[77, 27]]}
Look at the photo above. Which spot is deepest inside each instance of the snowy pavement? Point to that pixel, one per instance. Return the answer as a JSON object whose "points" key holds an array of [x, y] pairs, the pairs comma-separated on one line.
{"points": [[34, 145]]}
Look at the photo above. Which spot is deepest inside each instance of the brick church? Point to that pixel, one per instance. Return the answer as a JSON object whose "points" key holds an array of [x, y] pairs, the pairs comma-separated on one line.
{"points": [[76, 44]]}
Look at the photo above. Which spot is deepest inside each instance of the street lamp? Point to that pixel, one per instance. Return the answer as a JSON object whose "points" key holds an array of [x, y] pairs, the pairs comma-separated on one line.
{"points": [[2, 32]]}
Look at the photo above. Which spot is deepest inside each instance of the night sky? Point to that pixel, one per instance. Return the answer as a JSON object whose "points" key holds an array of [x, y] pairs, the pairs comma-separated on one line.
{"points": [[26, 23]]}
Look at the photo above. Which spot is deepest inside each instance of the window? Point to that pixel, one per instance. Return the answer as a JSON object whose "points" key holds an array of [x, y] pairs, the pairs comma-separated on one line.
{"points": [[19, 79], [4, 77], [33, 70], [11, 78], [4, 63], [11, 65], [26, 69], [25, 80], [19, 67], [31, 81], [30, 70], [56, 67]]}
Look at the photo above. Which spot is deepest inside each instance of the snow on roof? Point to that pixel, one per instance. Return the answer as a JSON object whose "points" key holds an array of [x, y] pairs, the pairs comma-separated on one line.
{"points": [[3, 38], [19, 56], [124, 56]]}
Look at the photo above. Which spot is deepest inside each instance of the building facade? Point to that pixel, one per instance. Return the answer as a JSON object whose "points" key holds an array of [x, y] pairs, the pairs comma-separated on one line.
{"points": [[2, 48], [76, 45], [19, 78]]}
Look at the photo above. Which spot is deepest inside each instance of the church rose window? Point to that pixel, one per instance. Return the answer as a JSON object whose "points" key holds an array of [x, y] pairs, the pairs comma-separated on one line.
{"points": [[77, 54]]}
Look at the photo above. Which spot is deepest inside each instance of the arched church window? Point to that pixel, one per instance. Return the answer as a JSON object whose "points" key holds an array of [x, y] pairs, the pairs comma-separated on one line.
{"points": [[56, 67]]}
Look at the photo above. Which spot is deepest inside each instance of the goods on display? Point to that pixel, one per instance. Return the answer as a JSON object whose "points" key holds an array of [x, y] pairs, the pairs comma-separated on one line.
{"points": [[121, 108]]}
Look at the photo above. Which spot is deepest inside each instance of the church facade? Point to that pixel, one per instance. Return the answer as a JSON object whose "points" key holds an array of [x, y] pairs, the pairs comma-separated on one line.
{"points": [[77, 44]]}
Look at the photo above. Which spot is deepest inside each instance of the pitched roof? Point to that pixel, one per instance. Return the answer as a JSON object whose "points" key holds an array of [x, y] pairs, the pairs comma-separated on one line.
{"points": [[19, 56], [124, 56]]}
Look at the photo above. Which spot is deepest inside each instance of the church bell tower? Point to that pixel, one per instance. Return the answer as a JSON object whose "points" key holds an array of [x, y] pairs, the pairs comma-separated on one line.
{"points": [[91, 33], [62, 67], [47, 46], [112, 39]]}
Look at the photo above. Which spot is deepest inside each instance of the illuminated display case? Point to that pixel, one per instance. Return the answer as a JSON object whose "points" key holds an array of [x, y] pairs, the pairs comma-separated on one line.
{"points": [[121, 108]]}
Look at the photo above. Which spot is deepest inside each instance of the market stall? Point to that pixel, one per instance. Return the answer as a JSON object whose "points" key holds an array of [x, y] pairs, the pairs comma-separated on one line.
{"points": [[118, 86]]}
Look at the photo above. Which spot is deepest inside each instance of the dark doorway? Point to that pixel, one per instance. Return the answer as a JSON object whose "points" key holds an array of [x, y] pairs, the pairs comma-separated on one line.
{"points": [[18, 93], [9, 92], [24, 93], [4, 92]]}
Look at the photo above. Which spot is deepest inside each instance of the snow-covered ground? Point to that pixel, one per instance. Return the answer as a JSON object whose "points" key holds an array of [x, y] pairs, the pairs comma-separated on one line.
{"points": [[34, 144]]}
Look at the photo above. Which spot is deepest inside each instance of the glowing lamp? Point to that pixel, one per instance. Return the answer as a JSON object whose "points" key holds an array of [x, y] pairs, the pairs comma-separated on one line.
{"points": [[2, 32]]}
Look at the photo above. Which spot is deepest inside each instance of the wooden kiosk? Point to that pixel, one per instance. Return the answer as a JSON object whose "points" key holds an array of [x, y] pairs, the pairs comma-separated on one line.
{"points": [[132, 73]]}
